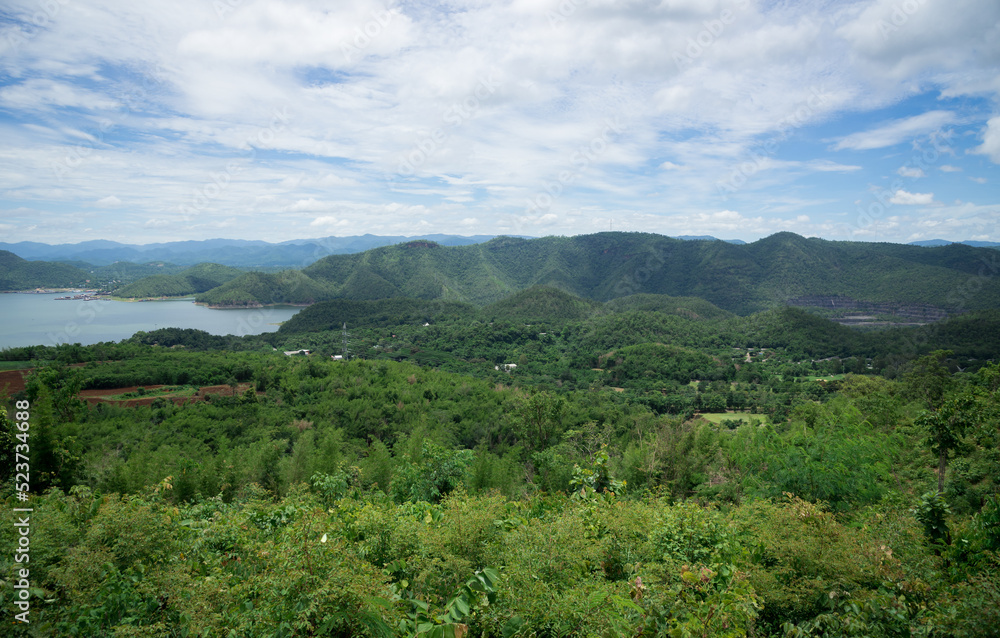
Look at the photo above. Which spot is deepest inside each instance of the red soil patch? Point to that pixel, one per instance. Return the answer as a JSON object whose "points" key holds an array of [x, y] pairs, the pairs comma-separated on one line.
{"points": [[93, 397], [113, 391], [12, 381]]}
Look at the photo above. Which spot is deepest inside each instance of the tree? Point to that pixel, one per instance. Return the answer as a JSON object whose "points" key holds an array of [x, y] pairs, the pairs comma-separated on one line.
{"points": [[948, 413], [929, 379]]}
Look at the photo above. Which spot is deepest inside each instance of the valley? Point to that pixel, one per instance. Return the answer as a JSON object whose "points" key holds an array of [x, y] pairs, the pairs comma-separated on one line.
{"points": [[539, 432]]}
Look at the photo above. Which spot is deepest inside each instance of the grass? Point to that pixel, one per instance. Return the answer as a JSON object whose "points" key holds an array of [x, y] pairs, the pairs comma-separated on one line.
{"points": [[828, 377], [166, 391], [17, 365], [746, 417]]}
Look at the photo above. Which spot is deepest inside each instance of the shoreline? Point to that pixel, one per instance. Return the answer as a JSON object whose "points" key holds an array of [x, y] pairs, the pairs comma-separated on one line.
{"points": [[137, 299], [48, 291], [253, 306]]}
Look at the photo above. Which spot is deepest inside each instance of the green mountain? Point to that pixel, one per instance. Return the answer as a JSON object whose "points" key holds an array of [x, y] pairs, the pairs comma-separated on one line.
{"points": [[199, 278], [122, 273], [541, 303], [373, 313], [740, 279], [20, 274], [690, 307], [255, 289]]}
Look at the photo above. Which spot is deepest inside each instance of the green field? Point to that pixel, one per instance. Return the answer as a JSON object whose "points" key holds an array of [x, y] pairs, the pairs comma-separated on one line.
{"points": [[826, 377], [17, 365], [746, 417], [168, 391]]}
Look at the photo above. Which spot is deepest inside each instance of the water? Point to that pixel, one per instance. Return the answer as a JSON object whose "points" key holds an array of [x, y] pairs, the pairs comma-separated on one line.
{"points": [[36, 319]]}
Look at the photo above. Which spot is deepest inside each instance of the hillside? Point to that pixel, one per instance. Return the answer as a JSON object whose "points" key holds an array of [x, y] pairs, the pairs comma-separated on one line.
{"points": [[541, 303], [332, 315], [190, 281], [737, 278], [254, 289], [255, 254], [690, 307], [20, 274]]}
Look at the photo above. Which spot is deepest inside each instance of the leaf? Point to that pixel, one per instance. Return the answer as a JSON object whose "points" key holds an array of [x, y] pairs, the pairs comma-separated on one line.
{"points": [[381, 602], [596, 598], [512, 627], [462, 605]]}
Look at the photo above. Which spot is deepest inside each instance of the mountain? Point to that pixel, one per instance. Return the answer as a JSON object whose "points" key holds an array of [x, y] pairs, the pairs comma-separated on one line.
{"points": [[541, 304], [707, 238], [191, 281], [332, 315], [944, 242], [690, 307], [296, 253], [20, 274], [254, 289], [741, 279]]}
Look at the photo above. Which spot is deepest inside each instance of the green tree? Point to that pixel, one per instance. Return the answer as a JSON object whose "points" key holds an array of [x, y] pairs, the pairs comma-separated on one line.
{"points": [[948, 412], [946, 426]]}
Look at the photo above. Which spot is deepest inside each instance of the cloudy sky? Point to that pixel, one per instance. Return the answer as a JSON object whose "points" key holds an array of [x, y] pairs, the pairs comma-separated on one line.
{"points": [[874, 120]]}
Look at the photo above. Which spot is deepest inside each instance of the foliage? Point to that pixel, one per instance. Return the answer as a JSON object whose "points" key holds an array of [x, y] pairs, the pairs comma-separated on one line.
{"points": [[20, 274], [334, 498], [430, 476], [190, 281]]}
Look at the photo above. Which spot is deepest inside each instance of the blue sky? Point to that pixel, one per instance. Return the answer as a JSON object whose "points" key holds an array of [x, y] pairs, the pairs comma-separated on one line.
{"points": [[875, 120]]}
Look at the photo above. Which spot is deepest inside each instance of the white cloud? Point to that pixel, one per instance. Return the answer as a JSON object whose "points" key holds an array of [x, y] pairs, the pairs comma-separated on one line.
{"points": [[896, 131], [827, 166], [979, 180], [328, 220], [307, 205], [947, 168], [190, 92], [911, 199], [42, 93], [991, 140], [109, 202], [911, 171]]}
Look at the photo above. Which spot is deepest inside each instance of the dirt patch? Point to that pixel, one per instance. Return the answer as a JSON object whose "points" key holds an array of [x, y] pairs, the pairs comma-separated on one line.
{"points": [[93, 397], [113, 391], [222, 389], [12, 381]]}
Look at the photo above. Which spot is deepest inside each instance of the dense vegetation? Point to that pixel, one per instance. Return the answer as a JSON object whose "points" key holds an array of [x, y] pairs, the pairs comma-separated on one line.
{"points": [[254, 289], [738, 278], [189, 281], [368, 497], [544, 465], [20, 274]]}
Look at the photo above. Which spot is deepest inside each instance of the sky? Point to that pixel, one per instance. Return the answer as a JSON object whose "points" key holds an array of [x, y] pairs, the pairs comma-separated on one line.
{"points": [[164, 120]]}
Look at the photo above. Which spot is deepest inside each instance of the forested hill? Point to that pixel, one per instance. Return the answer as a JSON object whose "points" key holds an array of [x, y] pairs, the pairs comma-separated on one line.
{"points": [[737, 278], [20, 274], [187, 282]]}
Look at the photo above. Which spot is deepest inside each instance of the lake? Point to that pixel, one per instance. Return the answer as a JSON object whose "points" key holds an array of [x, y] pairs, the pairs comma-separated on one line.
{"points": [[38, 319]]}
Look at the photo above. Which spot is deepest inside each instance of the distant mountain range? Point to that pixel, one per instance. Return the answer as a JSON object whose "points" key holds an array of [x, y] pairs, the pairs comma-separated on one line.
{"points": [[945, 242], [239, 253], [708, 238], [739, 278]]}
